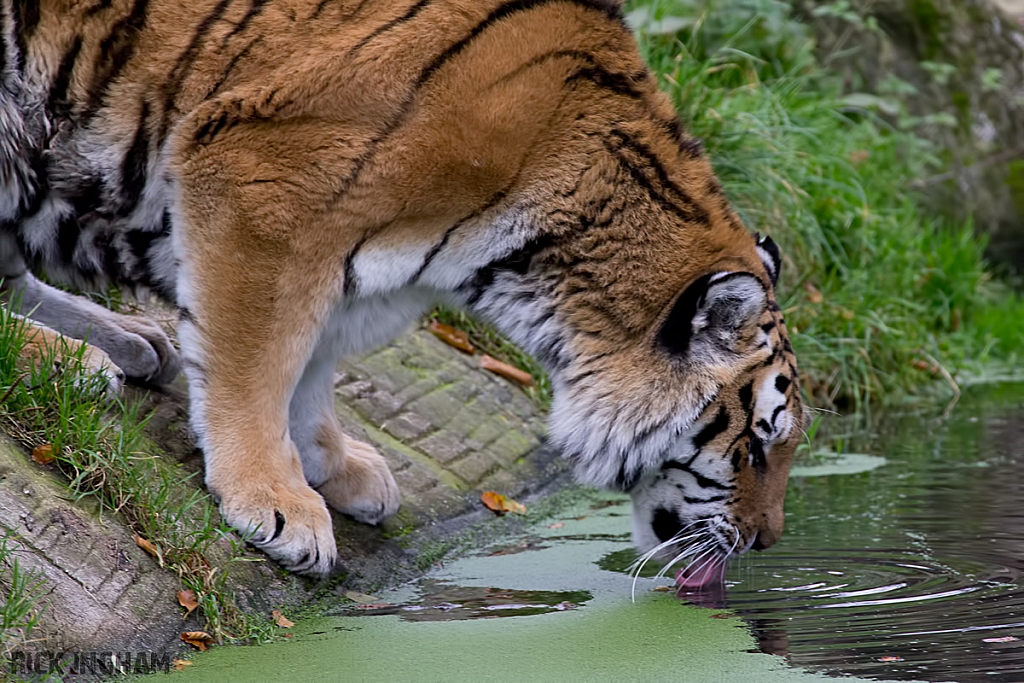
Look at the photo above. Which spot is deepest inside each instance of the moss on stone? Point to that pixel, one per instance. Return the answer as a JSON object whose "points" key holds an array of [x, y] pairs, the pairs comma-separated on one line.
{"points": [[931, 26], [1015, 182]]}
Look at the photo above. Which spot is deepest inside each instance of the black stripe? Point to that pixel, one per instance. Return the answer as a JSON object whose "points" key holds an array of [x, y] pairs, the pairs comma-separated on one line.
{"points": [[543, 58], [708, 433], [702, 481], [689, 210], [320, 8], [775, 414], [409, 14], [702, 501], [351, 283], [768, 326], [690, 147], [26, 20], [436, 249], [503, 11], [115, 52], [254, 11], [67, 238], [98, 7], [242, 54], [746, 395], [427, 73], [186, 315], [183, 66], [618, 83], [782, 383], [626, 478], [760, 462], [57, 99], [133, 166]]}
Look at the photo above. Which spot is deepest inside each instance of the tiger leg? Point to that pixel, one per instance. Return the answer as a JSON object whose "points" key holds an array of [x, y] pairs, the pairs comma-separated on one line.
{"points": [[42, 344], [352, 476], [131, 344], [255, 287]]}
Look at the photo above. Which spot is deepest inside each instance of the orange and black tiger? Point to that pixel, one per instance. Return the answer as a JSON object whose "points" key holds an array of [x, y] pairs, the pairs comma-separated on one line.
{"points": [[302, 178]]}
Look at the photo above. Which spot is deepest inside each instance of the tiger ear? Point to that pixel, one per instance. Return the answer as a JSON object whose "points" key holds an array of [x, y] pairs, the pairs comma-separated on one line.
{"points": [[711, 315], [770, 257]]}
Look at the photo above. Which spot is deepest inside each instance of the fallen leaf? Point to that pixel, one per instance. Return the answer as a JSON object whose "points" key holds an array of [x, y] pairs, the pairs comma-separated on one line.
{"points": [[1003, 639], [847, 314], [556, 525], [187, 599], [814, 294], [451, 336], [663, 589], [281, 620], [890, 658], [859, 156], [149, 547], [500, 504], [199, 639], [374, 605], [287, 635], [43, 454], [720, 615], [506, 370], [180, 664], [356, 596], [925, 366]]}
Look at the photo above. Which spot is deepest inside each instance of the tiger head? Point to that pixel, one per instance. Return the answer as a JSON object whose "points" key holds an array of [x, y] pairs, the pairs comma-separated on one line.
{"points": [[699, 425]]}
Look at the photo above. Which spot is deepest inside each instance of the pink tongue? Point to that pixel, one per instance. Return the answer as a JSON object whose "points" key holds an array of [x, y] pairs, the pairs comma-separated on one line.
{"points": [[706, 575]]}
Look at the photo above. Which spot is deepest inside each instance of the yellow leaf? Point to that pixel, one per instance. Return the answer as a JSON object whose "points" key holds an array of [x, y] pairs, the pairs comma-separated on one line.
{"points": [[199, 639], [280, 619], [451, 336], [506, 370], [857, 157], [43, 454], [814, 294], [148, 546], [180, 664], [187, 599], [500, 504]]}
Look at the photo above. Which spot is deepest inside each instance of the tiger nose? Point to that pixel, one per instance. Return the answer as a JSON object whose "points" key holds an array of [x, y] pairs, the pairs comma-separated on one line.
{"points": [[765, 539]]}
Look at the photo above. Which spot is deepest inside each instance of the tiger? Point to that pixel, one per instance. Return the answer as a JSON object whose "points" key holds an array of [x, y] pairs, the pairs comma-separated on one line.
{"points": [[303, 179]]}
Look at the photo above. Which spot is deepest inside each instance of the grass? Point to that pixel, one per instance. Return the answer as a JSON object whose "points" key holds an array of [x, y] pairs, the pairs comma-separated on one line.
{"points": [[23, 599], [880, 297], [99, 445]]}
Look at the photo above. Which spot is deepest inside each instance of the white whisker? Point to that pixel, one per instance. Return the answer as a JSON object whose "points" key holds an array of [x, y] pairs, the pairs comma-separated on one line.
{"points": [[642, 561], [692, 550]]}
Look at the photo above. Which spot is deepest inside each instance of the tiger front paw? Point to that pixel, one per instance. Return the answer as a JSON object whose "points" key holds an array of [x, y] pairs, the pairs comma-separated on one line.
{"points": [[145, 352], [289, 523], [364, 487]]}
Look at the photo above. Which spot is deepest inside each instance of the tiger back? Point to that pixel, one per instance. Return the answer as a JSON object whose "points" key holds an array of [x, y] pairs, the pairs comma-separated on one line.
{"points": [[303, 178]]}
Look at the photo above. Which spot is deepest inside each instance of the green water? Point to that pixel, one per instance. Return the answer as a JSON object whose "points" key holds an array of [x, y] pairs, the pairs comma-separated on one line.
{"points": [[903, 559], [588, 630]]}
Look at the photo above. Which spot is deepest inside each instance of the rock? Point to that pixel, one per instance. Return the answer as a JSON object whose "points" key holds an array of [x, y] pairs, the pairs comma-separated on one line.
{"points": [[964, 60]]}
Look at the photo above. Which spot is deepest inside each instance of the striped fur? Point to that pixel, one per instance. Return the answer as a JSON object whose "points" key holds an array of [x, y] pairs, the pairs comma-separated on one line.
{"points": [[304, 177]]}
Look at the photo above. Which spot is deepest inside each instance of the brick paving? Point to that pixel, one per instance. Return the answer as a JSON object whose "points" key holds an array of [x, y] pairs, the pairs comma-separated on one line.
{"points": [[448, 429]]}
